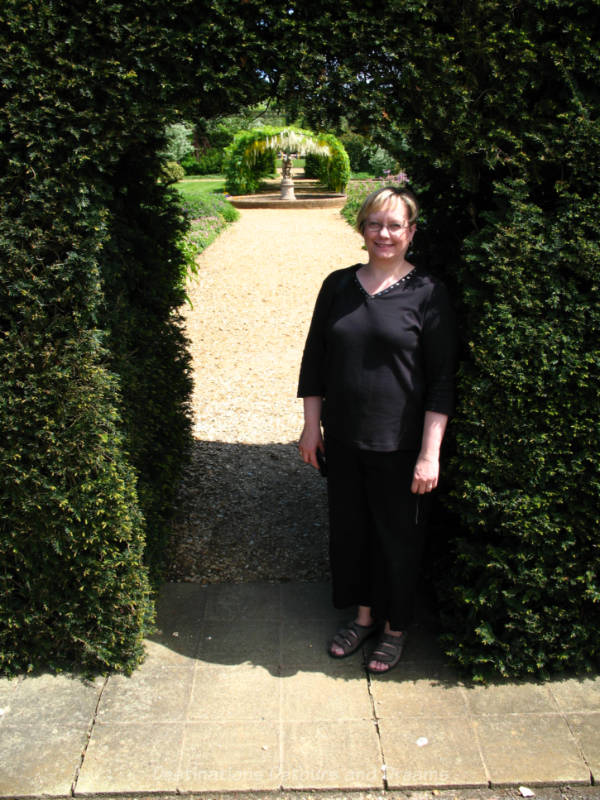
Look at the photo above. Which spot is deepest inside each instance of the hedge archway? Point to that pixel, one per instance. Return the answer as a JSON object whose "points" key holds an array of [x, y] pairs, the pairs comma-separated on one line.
{"points": [[495, 109]]}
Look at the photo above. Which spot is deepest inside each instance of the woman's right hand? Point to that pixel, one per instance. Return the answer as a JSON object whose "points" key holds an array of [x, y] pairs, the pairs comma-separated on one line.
{"points": [[311, 440]]}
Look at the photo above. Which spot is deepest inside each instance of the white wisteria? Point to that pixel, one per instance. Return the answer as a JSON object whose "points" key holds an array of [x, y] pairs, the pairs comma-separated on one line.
{"points": [[290, 141]]}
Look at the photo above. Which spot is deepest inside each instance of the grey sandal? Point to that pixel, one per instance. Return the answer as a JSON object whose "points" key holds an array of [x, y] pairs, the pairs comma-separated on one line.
{"points": [[350, 638], [388, 651]]}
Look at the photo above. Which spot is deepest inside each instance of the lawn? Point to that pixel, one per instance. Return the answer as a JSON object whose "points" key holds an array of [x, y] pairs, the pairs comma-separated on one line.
{"points": [[194, 188]]}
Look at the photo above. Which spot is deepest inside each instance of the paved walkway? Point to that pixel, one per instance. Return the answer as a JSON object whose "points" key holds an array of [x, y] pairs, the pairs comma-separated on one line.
{"points": [[238, 694]]}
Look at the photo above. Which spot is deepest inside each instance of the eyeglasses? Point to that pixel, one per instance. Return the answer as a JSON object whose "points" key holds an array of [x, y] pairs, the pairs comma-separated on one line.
{"points": [[377, 227]]}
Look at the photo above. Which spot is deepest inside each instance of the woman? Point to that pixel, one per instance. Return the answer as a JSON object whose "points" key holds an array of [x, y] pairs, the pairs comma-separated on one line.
{"points": [[377, 373]]}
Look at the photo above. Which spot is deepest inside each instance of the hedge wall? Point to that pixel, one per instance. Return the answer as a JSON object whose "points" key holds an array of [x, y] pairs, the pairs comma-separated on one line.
{"points": [[94, 369], [497, 103], [513, 195]]}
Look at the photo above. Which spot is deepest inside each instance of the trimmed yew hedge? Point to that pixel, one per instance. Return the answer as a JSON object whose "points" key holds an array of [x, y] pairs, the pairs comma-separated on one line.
{"points": [[508, 176], [94, 371]]}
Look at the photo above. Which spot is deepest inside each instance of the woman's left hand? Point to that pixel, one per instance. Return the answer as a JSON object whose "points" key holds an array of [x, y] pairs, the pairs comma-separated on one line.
{"points": [[425, 476]]}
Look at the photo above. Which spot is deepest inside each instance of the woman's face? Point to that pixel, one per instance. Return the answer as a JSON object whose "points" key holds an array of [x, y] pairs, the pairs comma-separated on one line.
{"points": [[387, 232]]}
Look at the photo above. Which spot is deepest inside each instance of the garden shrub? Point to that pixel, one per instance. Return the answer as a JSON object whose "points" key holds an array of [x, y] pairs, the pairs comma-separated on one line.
{"points": [[359, 149], [179, 141], [209, 213], [335, 171], [526, 474], [94, 369], [172, 172], [209, 205], [210, 162], [219, 137], [380, 162], [312, 165], [74, 589], [191, 165], [145, 273]]}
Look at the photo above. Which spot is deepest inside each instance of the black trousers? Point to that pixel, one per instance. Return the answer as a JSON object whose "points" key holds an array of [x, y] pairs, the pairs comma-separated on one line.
{"points": [[377, 531]]}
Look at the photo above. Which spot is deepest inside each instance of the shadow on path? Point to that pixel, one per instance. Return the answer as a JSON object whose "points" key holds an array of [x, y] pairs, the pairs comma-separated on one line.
{"points": [[250, 512]]}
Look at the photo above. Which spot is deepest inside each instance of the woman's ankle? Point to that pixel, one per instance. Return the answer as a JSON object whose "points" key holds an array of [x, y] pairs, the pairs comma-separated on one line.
{"points": [[363, 617]]}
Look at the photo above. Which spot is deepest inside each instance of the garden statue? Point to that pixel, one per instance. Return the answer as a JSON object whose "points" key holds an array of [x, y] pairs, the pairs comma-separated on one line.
{"points": [[290, 144], [287, 182]]}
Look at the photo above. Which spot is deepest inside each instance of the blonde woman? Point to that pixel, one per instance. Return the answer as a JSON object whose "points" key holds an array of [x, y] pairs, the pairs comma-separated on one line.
{"points": [[377, 380]]}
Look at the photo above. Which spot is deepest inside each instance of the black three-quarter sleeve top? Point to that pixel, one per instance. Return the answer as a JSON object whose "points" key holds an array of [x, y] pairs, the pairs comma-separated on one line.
{"points": [[379, 362]]}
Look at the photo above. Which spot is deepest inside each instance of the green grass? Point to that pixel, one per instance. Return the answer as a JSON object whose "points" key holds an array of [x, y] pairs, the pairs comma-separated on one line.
{"points": [[209, 212], [194, 188]]}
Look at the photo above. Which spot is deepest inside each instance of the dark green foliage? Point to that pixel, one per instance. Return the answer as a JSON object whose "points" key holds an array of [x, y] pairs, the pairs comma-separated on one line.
{"points": [[498, 105], [210, 162], [312, 165], [89, 242], [359, 149], [241, 175], [144, 281], [73, 587], [211, 141], [527, 439], [209, 205], [332, 171], [218, 137]]}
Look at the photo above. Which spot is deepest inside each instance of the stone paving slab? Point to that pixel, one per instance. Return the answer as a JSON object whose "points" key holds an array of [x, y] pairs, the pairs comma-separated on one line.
{"points": [[40, 759], [237, 694], [331, 754], [230, 756], [586, 729], [537, 748], [132, 757], [428, 751]]}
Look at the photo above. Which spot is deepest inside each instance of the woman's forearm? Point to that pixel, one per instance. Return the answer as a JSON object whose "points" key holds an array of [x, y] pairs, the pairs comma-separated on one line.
{"points": [[427, 468], [434, 428], [312, 411], [311, 438]]}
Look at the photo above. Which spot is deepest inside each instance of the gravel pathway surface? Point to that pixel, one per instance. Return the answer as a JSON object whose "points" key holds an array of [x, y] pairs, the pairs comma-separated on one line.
{"points": [[249, 508]]}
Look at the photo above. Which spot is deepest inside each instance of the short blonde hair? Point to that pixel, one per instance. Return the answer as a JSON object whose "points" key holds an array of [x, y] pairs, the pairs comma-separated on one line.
{"points": [[380, 197]]}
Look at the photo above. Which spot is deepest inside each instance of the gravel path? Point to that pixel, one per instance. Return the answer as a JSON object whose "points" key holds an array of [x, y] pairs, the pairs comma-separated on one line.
{"points": [[249, 509]]}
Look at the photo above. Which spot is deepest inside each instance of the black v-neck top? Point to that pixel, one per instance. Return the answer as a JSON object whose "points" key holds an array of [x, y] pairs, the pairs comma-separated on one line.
{"points": [[380, 361]]}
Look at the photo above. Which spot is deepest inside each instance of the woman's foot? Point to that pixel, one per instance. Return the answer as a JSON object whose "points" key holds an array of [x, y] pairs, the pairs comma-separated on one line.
{"points": [[387, 653], [349, 638]]}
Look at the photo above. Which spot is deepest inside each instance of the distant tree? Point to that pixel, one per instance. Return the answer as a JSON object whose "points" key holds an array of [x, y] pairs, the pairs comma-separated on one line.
{"points": [[179, 141]]}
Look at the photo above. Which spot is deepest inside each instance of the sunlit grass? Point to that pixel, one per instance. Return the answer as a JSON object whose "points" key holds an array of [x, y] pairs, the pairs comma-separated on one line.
{"points": [[193, 188]]}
